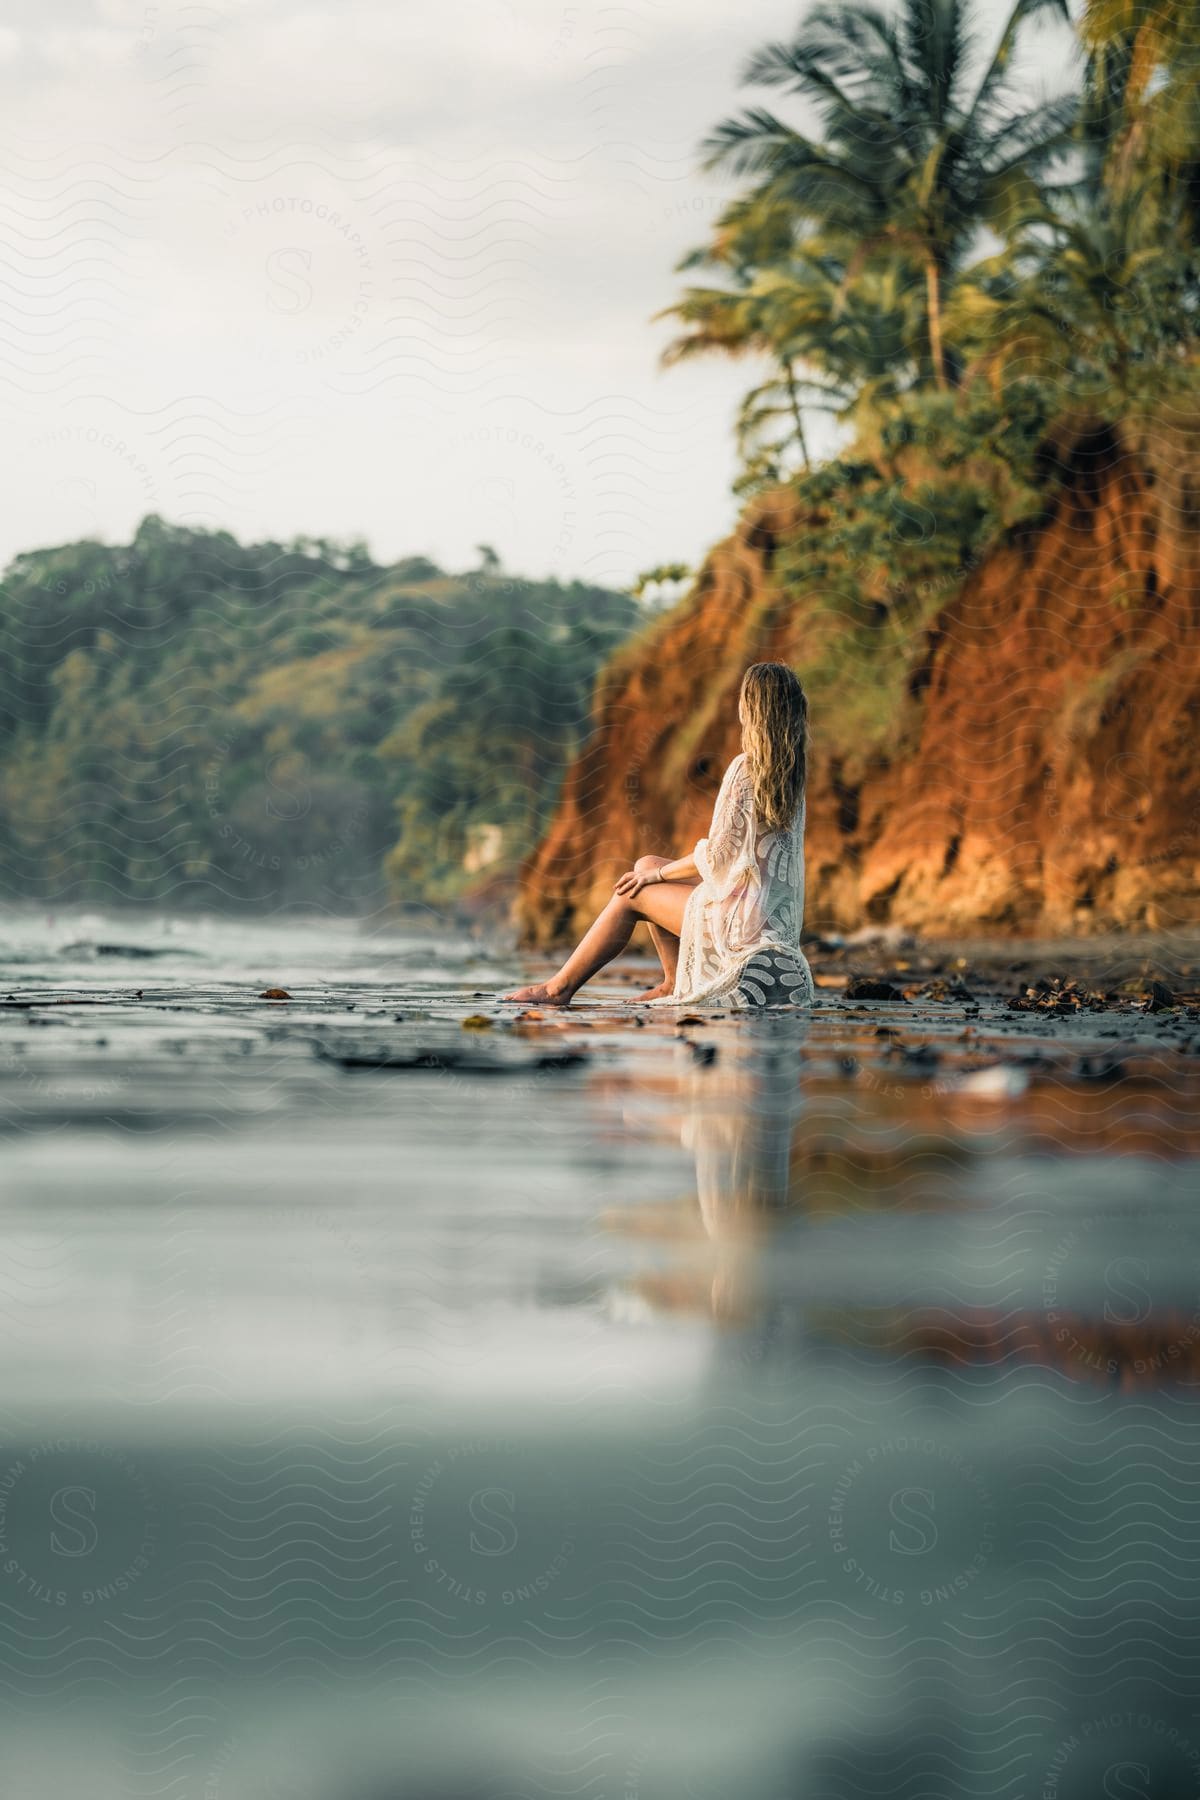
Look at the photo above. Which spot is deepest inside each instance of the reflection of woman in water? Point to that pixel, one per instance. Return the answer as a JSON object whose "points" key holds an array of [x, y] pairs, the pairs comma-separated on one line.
{"points": [[726, 918], [742, 1141], [740, 1121]]}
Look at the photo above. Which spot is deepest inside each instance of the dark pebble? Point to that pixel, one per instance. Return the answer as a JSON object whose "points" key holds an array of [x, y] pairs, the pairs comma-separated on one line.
{"points": [[866, 987]]}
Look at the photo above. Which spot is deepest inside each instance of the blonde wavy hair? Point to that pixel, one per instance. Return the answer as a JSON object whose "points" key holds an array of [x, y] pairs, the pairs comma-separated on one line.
{"points": [[773, 710]]}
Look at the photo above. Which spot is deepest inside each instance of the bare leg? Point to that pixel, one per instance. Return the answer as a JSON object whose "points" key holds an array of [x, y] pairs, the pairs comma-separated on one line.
{"points": [[605, 938], [666, 943], [662, 905], [667, 946]]}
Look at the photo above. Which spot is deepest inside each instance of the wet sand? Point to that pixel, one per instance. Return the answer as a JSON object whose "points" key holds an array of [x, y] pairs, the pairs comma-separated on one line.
{"points": [[420, 1397]]}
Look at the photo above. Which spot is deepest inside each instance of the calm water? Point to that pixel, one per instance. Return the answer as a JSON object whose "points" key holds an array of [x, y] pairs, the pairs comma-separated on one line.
{"points": [[398, 1407]]}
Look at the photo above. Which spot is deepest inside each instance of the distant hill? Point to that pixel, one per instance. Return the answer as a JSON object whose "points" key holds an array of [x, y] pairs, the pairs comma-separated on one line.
{"points": [[191, 720]]}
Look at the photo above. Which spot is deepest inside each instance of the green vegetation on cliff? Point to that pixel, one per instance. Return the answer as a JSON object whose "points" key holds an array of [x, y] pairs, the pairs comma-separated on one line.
{"points": [[861, 262], [955, 271], [192, 719]]}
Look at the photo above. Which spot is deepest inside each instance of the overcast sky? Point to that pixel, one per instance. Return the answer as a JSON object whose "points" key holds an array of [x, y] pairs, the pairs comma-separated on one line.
{"points": [[379, 270]]}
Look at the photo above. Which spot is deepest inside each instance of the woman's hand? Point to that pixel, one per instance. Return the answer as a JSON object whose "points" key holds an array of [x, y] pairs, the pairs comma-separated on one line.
{"points": [[632, 883]]}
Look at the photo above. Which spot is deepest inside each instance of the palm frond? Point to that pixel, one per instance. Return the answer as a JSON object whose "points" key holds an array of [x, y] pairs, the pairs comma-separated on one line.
{"points": [[748, 144], [1045, 129], [859, 44], [935, 39], [997, 70], [869, 118]]}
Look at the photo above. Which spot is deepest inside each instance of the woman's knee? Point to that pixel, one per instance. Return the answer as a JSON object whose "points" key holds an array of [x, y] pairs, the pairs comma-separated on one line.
{"points": [[646, 865]]}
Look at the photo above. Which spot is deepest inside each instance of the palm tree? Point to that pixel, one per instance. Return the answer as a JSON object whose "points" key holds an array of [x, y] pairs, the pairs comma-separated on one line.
{"points": [[830, 340], [1156, 32], [1089, 297], [1143, 86], [739, 323], [913, 162]]}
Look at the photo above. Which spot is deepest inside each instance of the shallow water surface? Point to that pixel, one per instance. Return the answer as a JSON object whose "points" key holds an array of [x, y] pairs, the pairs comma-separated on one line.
{"points": [[409, 1397]]}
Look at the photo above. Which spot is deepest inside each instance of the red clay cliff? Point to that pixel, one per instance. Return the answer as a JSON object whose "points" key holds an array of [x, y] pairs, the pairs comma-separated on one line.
{"points": [[1050, 779]]}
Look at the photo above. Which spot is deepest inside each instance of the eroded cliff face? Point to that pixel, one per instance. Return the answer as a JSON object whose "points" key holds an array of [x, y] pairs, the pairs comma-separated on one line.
{"points": [[1046, 778]]}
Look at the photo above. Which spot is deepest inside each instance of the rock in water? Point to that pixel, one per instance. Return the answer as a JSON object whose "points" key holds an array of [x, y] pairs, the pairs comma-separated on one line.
{"points": [[867, 987]]}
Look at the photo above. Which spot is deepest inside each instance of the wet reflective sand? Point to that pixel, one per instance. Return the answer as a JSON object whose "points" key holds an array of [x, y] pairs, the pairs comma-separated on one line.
{"points": [[407, 1397]]}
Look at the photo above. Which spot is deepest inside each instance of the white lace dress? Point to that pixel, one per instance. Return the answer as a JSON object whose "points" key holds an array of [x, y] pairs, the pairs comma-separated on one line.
{"points": [[740, 941]]}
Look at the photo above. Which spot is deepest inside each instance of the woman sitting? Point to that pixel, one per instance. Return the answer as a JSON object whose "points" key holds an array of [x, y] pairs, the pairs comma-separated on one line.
{"points": [[725, 919]]}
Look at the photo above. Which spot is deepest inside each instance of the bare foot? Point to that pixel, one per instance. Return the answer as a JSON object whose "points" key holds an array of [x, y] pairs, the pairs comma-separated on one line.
{"points": [[539, 995], [662, 992]]}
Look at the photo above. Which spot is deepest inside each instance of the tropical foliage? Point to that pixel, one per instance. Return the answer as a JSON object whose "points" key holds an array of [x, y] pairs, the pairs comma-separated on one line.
{"points": [[190, 719], [942, 228], [942, 268]]}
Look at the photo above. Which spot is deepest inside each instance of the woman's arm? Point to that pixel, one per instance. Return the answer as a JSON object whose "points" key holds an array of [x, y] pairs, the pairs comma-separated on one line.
{"points": [[725, 858], [683, 869]]}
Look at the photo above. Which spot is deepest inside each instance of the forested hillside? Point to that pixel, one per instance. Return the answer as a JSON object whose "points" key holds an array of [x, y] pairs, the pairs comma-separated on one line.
{"points": [[193, 720]]}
